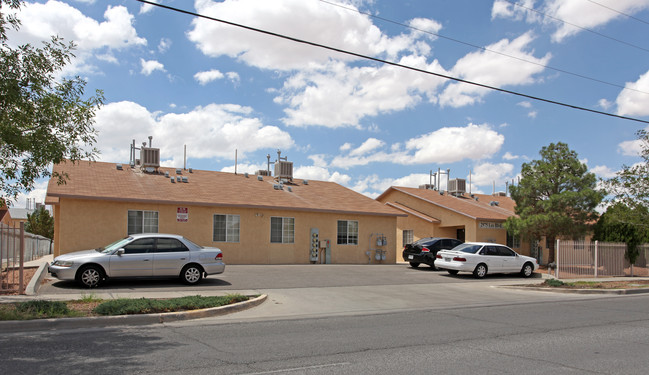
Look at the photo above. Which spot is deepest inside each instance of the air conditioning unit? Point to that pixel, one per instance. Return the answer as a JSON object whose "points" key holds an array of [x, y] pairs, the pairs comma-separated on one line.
{"points": [[262, 172], [150, 157], [457, 186], [427, 187], [284, 170]]}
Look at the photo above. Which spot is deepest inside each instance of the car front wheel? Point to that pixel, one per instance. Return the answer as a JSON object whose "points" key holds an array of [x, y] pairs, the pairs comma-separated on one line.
{"points": [[527, 270], [480, 271], [191, 274], [89, 276]]}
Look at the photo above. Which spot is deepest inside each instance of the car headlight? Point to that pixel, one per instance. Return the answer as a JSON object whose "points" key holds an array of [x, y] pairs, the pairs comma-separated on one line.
{"points": [[62, 263]]}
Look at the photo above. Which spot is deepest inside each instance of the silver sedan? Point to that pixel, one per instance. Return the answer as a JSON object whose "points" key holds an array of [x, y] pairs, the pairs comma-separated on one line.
{"points": [[140, 255]]}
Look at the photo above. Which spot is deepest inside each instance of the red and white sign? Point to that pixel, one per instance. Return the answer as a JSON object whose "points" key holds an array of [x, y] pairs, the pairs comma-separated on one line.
{"points": [[182, 214]]}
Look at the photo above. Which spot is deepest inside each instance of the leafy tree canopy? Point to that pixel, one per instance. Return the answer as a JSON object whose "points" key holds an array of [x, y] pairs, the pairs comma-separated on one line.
{"points": [[618, 224], [631, 185], [43, 119], [40, 222], [556, 196]]}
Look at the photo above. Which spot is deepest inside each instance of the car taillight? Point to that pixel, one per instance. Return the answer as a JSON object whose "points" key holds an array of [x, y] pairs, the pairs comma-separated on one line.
{"points": [[458, 259], [425, 250], [219, 256], [438, 256]]}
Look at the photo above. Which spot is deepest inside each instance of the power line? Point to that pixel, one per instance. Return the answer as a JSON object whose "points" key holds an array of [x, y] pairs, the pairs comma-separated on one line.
{"points": [[617, 11], [485, 49], [577, 26], [391, 63]]}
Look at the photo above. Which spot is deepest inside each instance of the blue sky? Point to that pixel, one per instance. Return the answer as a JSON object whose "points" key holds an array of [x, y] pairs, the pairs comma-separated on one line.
{"points": [[219, 89]]}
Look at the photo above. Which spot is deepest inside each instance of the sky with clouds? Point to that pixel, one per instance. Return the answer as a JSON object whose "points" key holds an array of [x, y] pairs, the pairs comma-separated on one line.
{"points": [[222, 90]]}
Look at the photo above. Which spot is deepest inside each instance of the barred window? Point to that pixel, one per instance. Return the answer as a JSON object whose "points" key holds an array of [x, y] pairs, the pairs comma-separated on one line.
{"points": [[408, 236]]}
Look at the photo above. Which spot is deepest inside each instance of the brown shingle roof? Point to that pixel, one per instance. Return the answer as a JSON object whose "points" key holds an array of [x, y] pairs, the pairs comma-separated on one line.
{"points": [[103, 181], [465, 205]]}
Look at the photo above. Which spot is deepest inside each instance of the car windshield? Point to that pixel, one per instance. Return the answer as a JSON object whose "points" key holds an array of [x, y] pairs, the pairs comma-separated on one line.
{"points": [[115, 245], [468, 248]]}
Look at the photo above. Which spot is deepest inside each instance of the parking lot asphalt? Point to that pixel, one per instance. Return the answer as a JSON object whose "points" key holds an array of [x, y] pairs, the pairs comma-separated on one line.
{"points": [[298, 291]]}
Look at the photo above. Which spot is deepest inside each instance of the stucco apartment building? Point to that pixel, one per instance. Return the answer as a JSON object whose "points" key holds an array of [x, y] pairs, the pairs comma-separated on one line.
{"points": [[468, 217], [254, 219]]}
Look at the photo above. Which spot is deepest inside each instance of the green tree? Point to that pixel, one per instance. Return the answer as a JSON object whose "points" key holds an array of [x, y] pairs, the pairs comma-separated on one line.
{"points": [[631, 185], [40, 222], [43, 119], [556, 196], [619, 224]]}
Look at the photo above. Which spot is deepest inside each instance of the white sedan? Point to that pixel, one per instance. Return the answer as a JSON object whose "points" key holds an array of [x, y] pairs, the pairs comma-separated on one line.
{"points": [[482, 258]]}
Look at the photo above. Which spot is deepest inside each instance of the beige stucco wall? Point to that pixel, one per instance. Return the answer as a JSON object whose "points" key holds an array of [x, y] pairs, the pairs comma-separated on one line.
{"points": [[86, 224]]}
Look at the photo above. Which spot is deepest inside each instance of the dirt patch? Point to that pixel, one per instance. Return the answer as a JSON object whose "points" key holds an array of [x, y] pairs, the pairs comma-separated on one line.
{"points": [[10, 280], [621, 284]]}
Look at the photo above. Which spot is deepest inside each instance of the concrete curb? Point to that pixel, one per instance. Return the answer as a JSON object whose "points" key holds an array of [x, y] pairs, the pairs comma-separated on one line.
{"points": [[35, 282], [122, 320], [579, 291]]}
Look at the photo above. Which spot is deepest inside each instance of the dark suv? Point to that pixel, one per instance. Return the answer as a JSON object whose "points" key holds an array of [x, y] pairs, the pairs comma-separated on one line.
{"points": [[425, 249]]}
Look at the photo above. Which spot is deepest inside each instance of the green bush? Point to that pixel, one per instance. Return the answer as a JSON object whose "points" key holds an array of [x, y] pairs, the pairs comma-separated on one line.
{"points": [[124, 306], [554, 283], [43, 308]]}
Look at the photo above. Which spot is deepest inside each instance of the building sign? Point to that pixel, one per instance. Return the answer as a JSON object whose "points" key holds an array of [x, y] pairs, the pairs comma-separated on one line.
{"points": [[182, 214], [490, 225]]}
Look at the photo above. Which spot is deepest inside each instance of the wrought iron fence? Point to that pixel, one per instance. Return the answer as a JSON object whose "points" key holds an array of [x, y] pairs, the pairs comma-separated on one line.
{"points": [[16, 248], [585, 259]]}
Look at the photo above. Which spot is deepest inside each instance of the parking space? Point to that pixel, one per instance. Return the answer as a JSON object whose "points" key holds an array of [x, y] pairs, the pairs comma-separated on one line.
{"points": [[255, 277]]}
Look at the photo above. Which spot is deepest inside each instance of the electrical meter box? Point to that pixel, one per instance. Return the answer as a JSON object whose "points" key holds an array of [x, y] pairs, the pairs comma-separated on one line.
{"points": [[315, 245]]}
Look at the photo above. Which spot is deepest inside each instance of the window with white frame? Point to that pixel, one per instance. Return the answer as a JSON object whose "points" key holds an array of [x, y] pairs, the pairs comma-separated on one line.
{"points": [[282, 230], [142, 221], [226, 228], [408, 236], [347, 232]]}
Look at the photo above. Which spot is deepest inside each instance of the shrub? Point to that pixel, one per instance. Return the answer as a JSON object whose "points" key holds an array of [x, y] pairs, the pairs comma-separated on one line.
{"points": [[124, 306], [554, 283], [39, 308]]}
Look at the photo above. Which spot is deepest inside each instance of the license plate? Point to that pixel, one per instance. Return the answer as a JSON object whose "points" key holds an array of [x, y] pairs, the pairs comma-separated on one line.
{"points": [[447, 259], [410, 257]]}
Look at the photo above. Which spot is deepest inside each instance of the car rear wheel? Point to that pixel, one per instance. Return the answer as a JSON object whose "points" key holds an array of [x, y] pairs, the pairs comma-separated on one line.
{"points": [[452, 272], [90, 276], [414, 264], [527, 270], [480, 271], [191, 274]]}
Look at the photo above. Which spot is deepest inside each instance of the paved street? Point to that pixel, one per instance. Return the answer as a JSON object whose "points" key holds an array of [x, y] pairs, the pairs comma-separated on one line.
{"points": [[603, 335]]}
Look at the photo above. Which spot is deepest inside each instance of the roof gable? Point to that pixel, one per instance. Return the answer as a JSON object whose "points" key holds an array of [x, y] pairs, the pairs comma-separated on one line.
{"points": [[477, 206]]}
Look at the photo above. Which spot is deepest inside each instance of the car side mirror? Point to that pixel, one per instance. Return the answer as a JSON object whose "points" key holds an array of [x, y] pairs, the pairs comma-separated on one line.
{"points": [[120, 252]]}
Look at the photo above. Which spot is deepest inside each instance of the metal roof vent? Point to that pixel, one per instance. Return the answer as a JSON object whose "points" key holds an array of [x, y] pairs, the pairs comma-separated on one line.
{"points": [[260, 178], [173, 180], [185, 180], [191, 170], [246, 174], [276, 186], [290, 189], [179, 171], [494, 203], [167, 174], [305, 182], [118, 166], [178, 178]]}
